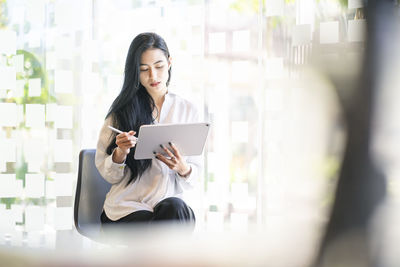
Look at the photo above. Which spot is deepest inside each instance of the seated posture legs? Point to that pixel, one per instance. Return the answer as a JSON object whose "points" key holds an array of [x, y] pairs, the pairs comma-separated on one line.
{"points": [[171, 209]]}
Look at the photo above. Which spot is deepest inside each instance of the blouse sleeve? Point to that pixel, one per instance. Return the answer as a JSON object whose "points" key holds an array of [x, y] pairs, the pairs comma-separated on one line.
{"points": [[112, 172], [188, 182]]}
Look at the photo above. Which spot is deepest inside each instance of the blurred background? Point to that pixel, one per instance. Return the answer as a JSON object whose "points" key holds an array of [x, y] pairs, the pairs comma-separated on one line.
{"points": [[256, 69]]}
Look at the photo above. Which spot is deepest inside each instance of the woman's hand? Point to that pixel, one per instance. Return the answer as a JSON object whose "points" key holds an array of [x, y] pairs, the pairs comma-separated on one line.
{"points": [[125, 141], [175, 161]]}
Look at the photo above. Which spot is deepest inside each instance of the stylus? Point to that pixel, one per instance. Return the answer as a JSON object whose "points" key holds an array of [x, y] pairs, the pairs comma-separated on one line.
{"points": [[116, 130]]}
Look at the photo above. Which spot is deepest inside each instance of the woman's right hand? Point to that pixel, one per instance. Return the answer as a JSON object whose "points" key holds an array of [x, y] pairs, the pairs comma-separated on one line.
{"points": [[124, 141]]}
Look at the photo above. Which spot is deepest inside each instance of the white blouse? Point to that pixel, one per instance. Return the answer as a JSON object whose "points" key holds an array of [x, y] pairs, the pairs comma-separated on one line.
{"points": [[156, 183]]}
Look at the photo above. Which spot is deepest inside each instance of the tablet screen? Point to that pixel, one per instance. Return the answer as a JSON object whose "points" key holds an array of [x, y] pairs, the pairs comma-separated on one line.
{"points": [[190, 138]]}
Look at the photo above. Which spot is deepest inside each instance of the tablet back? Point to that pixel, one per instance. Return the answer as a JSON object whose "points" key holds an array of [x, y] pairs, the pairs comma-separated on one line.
{"points": [[190, 138]]}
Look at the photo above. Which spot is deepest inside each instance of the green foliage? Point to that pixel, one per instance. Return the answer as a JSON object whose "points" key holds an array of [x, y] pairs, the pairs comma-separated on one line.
{"points": [[33, 68], [252, 6], [275, 21], [213, 208], [3, 14], [8, 201], [21, 170], [195, 2], [330, 169], [247, 6], [209, 178], [343, 3]]}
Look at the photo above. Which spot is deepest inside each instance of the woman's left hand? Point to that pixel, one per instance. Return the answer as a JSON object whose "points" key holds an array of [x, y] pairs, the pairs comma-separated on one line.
{"points": [[175, 161]]}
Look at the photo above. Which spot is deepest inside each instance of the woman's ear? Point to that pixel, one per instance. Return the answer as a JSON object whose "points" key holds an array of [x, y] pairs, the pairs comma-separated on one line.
{"points": [[169, 62]]}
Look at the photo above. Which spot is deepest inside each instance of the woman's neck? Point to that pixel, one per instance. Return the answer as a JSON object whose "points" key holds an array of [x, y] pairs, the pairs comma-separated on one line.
{"points": [[158, 101], [159, 96]]}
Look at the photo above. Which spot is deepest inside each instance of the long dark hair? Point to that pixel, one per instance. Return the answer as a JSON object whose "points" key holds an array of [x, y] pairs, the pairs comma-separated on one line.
{"points": [[134, 107]]}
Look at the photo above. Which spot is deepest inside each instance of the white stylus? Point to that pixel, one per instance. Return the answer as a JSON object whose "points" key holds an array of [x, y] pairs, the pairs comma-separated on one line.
{"points": [[116, 130]]}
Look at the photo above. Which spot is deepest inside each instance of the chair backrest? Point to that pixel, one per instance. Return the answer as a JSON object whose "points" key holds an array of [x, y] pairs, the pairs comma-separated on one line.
{"points": [[90, 193]]}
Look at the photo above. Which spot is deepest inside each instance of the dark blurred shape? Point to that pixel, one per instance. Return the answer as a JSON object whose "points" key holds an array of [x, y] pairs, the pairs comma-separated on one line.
{"points": [[361, 186]]}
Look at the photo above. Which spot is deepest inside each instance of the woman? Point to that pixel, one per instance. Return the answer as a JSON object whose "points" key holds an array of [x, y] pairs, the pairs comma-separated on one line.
{"points": [[145, 190]]}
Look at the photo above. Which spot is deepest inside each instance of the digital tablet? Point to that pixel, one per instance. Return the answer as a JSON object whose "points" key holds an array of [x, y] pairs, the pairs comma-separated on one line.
{"points": [[189, 138]]}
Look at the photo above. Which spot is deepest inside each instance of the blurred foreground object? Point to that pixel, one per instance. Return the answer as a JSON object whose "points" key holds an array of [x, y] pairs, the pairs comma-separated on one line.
{"points": [[361, 189]]}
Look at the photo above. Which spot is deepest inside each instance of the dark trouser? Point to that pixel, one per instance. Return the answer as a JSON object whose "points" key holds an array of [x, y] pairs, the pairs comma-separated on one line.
{"points": [[170, 209]]}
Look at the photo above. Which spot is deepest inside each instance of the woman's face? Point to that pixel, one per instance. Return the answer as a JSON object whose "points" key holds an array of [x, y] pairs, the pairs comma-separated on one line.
{"points": [[154, 68]]}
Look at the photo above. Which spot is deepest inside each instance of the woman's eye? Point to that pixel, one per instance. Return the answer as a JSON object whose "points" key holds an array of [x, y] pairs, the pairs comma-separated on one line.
{"points": [[159, 67], [144, 69]]}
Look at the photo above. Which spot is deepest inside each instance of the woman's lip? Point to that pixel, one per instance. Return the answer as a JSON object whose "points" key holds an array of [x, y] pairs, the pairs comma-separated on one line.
{"points": [[155, 84]]}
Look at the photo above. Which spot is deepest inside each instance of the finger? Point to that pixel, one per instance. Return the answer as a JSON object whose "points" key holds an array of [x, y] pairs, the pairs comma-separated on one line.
{"points": [[122, 140], [164, 159], [126, 137], [169, 153], [127, 143], [130, 144], [175, 149], [122, 137], [132, 134], [122, 134]]}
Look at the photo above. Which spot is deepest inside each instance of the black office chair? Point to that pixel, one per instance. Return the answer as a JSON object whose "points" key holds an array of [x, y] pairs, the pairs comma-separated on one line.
{"points": [[90, 193]]}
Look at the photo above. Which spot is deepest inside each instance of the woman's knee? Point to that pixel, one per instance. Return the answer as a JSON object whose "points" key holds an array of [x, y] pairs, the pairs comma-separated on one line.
{"points": [[173, 203], [175, 209]]}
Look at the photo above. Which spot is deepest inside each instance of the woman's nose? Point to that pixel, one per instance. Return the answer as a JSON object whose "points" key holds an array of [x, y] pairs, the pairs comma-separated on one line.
{"points": [[152, 73]]}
